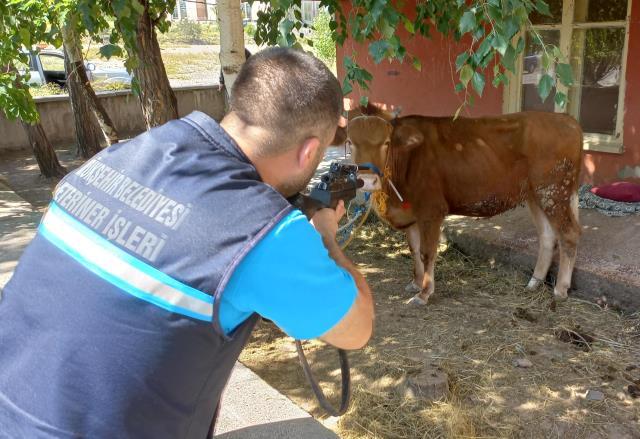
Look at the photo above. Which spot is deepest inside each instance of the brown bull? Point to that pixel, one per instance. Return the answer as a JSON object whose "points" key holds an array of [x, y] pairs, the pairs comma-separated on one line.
{"points": [[475, 167]]}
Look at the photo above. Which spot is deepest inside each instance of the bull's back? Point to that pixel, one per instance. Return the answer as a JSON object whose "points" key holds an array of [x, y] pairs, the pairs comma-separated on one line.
{"points": [[485, 165]]}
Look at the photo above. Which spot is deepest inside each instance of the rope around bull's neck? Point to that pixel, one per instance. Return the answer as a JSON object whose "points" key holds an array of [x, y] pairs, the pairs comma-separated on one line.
{"points": [[381, 197]]}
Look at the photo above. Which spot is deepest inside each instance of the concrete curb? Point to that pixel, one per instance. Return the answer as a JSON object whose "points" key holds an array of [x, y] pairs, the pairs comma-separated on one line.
{"points": [[252, 409]]}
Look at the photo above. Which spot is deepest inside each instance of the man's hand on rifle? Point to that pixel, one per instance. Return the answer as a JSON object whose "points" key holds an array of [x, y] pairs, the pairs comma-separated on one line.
{"points": [[326, 220]]}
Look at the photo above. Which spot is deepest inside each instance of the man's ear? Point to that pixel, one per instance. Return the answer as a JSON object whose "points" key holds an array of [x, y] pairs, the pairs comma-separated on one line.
{"points": [[407, 137], [308, 151]]}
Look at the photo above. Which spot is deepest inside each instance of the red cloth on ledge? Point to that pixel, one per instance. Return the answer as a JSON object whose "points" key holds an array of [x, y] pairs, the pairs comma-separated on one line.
{"points": [[619, 191]]}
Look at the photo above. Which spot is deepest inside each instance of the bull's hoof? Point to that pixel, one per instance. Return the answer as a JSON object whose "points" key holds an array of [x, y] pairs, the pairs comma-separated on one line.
{"points": [[416, 301], [533, 284], [412, 288], [560, 295]]}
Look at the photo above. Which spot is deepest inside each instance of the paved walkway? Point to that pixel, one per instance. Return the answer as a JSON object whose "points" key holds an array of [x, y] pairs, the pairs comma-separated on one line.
{"points": [[251, 408], [18, 221]]}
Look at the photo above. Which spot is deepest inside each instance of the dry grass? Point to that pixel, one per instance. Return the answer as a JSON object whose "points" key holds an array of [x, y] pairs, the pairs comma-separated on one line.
{"points": [[478, 321], [203, 66]]}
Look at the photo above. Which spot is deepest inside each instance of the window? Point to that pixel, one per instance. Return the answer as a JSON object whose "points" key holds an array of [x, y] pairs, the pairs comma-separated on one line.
{"points": [[246, 11], [593, 36], [180, 11], [309, 10], [51, 62]]}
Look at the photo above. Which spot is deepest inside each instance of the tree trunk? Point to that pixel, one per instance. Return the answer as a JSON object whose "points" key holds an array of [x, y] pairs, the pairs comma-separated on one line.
{"points": [[159, 104], [43, 151], [231, 40], [82, 95], [88, 134]]}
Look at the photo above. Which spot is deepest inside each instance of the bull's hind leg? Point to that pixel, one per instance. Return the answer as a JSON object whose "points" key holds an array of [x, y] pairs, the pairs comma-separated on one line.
{"points": [[559, 204], [568, 229], [413, 238], [547, 242], [429, 239]]}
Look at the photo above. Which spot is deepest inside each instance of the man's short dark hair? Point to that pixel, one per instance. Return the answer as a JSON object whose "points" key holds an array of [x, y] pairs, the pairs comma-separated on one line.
{"points": [[289, 93]]}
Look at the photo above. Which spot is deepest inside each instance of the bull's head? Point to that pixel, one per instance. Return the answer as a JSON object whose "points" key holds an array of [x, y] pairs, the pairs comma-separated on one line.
{"points": [[371, 135], [386, 142], [341, 136]]}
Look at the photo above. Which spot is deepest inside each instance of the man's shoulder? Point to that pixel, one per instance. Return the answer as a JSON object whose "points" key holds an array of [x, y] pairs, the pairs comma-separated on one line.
{"points": [[293, 233]]}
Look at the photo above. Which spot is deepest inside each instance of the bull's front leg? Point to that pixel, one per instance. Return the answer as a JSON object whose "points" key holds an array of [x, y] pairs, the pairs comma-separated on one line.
{"points": [[413, 238], [429, 240]]}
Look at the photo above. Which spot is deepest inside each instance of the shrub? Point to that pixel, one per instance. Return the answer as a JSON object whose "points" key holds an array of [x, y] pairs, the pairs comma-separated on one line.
{"points": [[250, 30], [47, 89], [190, 32], [323, 45]]}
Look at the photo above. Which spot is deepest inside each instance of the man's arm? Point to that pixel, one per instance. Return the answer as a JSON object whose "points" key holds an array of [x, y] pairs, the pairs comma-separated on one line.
{"points": [[355, 328]]}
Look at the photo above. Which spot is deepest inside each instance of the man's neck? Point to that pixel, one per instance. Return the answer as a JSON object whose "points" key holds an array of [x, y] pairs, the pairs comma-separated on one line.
{"points": [[249, 138]]}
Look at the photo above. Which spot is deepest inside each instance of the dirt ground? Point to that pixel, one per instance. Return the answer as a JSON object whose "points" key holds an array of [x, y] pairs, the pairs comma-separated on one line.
{"points": [[479, 320]]}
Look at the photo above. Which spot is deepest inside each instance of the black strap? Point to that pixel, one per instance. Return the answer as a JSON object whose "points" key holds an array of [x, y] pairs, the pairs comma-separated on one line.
{"points": [[317, 391]]}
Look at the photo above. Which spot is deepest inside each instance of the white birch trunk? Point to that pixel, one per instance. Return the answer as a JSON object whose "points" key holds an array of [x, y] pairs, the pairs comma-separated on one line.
{"points": [[231, 40]]}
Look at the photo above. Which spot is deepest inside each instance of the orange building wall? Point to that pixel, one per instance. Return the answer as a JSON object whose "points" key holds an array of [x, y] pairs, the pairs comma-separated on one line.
{"points": [[431, 92]]}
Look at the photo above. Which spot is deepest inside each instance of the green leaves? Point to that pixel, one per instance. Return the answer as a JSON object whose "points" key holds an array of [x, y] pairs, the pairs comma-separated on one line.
{"points": [[467, 22], [286, 38], [565, 74], [509, 59], [543, 7], [560, 99], [499, 43], [466, 73], [544, 87], [417, 64], [408, 25], [25, 36], [109, 50], [22, 24], [461, 60], [478, 82], [354, 74], [378, 50]]}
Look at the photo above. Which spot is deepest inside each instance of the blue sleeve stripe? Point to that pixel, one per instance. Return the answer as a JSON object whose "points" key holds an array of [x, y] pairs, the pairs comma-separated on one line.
{"points": [[105, 260], [134, 262]]}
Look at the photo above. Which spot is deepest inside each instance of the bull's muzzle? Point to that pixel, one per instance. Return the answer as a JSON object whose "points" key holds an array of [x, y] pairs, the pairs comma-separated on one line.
{"points": [[372, 182]]}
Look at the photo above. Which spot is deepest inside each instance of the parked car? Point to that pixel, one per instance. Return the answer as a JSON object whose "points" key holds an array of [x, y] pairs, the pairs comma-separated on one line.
{"points": [[47, 66]]}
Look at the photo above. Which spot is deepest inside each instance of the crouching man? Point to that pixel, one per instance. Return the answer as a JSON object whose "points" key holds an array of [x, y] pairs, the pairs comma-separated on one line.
{"points": [[155, 259]]}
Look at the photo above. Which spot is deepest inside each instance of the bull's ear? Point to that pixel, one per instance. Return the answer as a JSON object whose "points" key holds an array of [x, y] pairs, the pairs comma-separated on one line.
{"points": [[372, 110], [407, 137], [369, 109]]}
